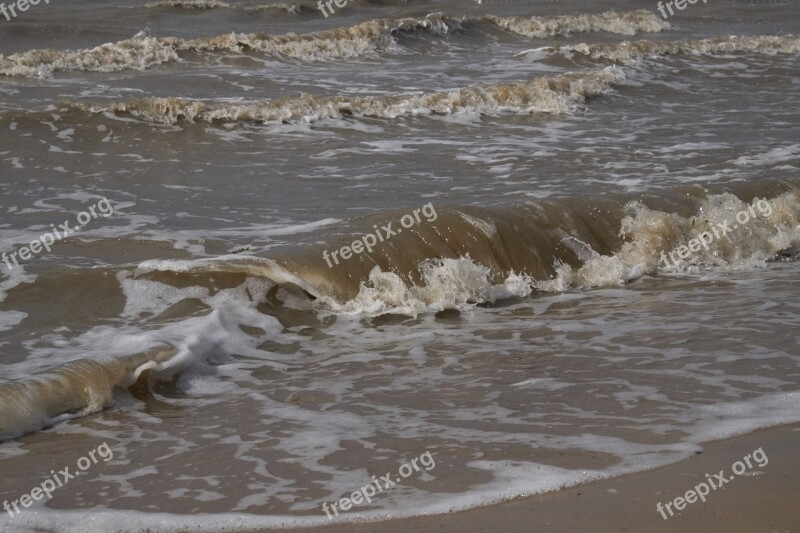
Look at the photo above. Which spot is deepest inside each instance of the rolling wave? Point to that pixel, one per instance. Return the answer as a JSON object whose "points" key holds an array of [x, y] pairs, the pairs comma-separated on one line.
{"points": [[189, 4], [627, 23], [558, 94], [371, 37], [630, 51], [72, 390], [293, 9], [462, 257], [476, 254], [554, 94]]}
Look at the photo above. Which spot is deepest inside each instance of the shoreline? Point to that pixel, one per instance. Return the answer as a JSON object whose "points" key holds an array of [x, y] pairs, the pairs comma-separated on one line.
{"points": [[749, 503]]}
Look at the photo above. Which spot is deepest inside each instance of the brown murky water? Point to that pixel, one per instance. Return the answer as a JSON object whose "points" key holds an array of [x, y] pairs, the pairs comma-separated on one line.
{"points": [[545, 250]]}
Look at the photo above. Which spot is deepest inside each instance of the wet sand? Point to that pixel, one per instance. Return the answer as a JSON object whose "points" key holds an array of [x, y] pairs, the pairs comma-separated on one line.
{"points": [[761, 503]]}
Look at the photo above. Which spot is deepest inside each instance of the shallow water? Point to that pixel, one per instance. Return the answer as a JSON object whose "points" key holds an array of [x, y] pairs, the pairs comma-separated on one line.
{"points": [[524, 327]]}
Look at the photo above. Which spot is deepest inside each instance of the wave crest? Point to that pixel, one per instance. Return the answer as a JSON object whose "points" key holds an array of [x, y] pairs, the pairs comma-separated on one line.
{"points": [[471, 255], [294, 9], [625, 23], [370, 37], [137, 53], [629, 51], [552, 94], [72, 390]]}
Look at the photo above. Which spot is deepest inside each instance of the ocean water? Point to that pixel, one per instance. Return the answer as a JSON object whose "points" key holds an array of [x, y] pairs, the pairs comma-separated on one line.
{"points": [[546, 242]]}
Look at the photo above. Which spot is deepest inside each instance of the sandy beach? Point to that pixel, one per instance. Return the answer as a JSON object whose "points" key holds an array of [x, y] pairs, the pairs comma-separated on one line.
{"points": [[749, 504]]}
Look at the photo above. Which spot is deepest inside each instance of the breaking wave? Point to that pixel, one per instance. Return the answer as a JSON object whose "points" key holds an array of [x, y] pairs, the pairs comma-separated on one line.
{"points": [[72, 390], [471, 255], [463, 257]]}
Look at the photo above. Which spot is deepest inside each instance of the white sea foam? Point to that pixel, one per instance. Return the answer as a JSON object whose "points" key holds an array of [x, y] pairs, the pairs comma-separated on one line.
{"points": [[649, 233], [370, 37], [509, 479], [550, 94]]}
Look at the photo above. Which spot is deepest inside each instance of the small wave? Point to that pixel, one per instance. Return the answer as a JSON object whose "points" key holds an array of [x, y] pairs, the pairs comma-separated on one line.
{"points": [[142, 51], [189, 4], [626, 23], [553, 94], [73, 390], [370, 37], [137, 53], [630, 51], [295, 9]]}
